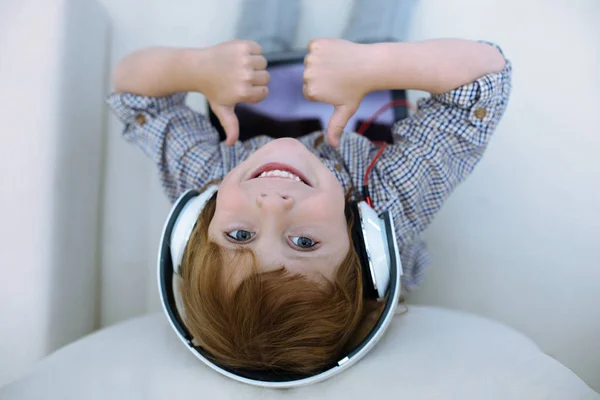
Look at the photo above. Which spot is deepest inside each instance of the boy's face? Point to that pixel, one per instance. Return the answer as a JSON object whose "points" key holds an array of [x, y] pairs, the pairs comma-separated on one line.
{"points": [[286, 222]]}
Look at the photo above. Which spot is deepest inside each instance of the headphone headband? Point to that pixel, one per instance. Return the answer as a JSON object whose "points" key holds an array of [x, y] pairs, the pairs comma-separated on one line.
{"points": [[185, 222], [176, 233]]}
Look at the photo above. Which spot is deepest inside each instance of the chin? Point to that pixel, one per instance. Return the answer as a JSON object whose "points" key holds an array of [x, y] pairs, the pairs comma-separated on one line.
{"points": [[288, 141], [285, 146]]}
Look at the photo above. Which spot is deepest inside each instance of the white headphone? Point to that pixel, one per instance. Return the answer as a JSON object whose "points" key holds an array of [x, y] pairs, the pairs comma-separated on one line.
{"points": [[374, 240]]}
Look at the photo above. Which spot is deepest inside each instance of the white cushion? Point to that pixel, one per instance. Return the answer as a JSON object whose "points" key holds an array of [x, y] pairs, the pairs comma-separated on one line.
{"points": [[429, 353]]}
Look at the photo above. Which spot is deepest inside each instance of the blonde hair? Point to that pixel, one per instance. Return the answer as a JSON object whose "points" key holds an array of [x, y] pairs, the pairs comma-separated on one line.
{"points": [[274, 320]]}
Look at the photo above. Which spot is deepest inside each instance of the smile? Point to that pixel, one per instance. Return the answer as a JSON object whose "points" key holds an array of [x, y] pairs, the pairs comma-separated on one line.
{"points": [[277, 173], [282, 171]]}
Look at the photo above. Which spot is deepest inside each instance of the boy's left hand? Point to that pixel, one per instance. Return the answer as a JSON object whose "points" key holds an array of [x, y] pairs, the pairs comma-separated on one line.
{"points": [[337, 73]]}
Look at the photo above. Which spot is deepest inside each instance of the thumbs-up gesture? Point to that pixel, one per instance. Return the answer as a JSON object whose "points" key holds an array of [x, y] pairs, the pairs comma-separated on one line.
{"points": [[337, 73], [237, 73]]}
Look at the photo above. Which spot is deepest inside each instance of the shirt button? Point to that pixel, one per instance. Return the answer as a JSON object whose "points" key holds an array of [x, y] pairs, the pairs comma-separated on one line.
{"points": [[318, 141], [337, 167], [141, 119], [480, 113]]}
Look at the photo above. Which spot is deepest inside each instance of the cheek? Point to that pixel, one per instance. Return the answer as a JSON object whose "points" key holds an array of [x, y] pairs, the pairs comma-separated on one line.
{"points": [[326, 207], [230, 199], [230, 196]]}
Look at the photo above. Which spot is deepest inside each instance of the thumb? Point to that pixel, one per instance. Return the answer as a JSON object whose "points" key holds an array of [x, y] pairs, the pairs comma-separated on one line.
{"points": [[229, 122], [337, 123]]}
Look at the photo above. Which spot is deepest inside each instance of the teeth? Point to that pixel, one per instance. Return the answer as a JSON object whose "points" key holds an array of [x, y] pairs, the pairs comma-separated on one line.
{"points": [[280, 174]]}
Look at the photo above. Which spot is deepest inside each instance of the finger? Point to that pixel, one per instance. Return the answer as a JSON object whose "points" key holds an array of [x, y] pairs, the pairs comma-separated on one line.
{"points": [[256, 94], [260, 78], [258, 62], [308, 92], [229, 122], [337, 123], [306, 75], [306, 60], [255, 48]]}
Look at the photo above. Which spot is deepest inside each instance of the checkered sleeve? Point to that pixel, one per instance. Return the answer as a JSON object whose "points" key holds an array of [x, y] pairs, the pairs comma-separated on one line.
{"points": [[180, 141], [435, 149]]}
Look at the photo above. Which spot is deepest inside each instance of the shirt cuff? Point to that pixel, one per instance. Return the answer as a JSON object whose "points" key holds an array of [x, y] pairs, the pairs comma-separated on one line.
{"points": [[482, 96], [131, 108]]}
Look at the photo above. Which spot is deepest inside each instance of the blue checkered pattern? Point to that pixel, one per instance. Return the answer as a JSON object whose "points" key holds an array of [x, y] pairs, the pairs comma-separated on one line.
{"points": [[434, 150]]}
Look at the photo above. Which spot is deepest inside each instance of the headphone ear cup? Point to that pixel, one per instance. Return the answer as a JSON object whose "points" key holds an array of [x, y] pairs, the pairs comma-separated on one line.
{"points": [[360, 248]]}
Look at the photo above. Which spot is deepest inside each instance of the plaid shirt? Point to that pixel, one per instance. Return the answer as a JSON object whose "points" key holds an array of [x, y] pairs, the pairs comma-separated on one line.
{"points": [[434, 150]]}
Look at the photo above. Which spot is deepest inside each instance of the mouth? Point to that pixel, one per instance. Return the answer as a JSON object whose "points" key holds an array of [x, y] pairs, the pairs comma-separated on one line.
{"points": [[278, 170]]}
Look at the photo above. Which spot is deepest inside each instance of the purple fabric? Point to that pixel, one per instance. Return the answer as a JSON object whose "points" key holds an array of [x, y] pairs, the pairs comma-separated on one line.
{"points": [[286, 101]]}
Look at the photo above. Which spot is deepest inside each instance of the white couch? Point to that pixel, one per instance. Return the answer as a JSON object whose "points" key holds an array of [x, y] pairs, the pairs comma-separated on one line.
{"points": [[81, 211], [429, 353]]}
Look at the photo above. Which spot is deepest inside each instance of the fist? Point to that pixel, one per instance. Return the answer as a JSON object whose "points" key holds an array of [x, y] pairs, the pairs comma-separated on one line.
{"points": [[238, 74], [336, 73]]}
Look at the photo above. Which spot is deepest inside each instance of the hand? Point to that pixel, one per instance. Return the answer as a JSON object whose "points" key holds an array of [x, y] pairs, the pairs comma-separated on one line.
{"points": [[237, 73], [337, 73]]}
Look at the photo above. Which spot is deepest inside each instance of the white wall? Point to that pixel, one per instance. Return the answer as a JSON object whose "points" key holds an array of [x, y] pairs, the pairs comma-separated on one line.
{"points": [[52, 62]]}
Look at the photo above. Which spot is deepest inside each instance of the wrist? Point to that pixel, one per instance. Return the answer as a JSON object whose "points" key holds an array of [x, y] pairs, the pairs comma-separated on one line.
{"points": [[397, 66], [192, 66], [367, 67]]}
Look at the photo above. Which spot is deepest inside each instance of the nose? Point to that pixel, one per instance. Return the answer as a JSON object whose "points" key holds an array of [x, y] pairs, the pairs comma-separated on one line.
{"points": [[274, 202]]}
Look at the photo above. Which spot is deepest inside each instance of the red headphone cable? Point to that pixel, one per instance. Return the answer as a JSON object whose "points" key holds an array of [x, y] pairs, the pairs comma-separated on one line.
{"points": [[363, 128]]}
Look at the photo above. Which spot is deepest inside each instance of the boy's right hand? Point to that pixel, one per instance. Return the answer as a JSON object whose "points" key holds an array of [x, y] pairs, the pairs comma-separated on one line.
{"points": [[234, 72]]}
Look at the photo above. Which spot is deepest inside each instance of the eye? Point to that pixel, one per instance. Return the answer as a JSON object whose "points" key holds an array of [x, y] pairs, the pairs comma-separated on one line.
{"points": [[303, 242], [240, 235]]}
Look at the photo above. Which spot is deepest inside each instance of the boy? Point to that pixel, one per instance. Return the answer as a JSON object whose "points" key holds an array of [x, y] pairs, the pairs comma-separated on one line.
{"points": [[270, 278]]}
